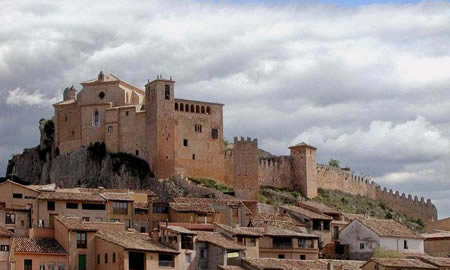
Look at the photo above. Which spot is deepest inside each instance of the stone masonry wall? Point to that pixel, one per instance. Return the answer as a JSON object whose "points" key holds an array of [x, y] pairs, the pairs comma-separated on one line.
{"points": [[338, 179], [245, 153], [276, 172]]}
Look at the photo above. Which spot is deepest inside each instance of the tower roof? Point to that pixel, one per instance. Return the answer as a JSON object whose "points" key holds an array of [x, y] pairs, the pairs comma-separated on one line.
{"points": [[302, 144]]}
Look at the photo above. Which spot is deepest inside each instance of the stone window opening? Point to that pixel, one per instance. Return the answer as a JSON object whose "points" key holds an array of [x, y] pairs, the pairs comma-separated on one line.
{"points": [[81, 240], [203, 109], [127, 113], [167, 92], [280, 256], [187, 107], [185, 142], [361, 245], [208, 110], [114, 257], [101, 95], [302, 257], [192, 108], [215, 133], [193, 156], [51, 206], [198, 128], [176, 106], [65, 118], [98, 258], [137, 152], [181, 107], [73, 133], [10, 218], [96, 119], [405, 244], [106, 257], [197, 109]]}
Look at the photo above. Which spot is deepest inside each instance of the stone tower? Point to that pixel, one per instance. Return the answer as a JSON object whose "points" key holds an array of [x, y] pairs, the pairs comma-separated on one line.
{"points": [[159, 106], [246, 185], [304, 169], [70, 93]]}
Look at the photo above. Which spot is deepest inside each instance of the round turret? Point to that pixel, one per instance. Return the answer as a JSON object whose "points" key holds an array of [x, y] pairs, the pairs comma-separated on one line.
{"points": [[70, 93]]}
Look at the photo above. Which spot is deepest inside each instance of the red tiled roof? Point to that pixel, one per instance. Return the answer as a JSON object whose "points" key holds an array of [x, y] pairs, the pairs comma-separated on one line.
{"points": [[231, 201], [436, 261], [281, 221], [37, 245], [218, 239], [388, 228], [192, 207], [191, 226], [317, 207], [284, 264], [403, 263], [435, 235], [305, 212], [134, 241], [247, 231], [116, 196], [71, 196], [76, 224], [276, 231]]}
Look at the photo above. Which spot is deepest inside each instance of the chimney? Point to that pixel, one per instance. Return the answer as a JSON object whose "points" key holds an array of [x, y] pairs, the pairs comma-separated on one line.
{"points": [[330, 266]]}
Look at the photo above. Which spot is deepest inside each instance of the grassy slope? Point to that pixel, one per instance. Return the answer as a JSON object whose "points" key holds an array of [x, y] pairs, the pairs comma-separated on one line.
{"points": [[347, 203]]}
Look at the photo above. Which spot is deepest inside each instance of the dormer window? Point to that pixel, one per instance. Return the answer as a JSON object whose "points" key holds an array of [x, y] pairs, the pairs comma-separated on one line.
{"points": [[167, 92]]}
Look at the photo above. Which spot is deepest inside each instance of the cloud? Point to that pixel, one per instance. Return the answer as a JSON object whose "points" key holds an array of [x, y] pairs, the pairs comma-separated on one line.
{"points": [[351, 80], [21, 97]]}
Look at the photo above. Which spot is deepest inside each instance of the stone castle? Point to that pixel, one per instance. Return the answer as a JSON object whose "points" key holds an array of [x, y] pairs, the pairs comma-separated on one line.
{"points": [[185, 137]]}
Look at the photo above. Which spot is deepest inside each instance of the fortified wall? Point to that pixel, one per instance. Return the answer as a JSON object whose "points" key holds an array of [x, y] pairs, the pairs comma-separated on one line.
{"points": [[280, 172], [343, 180]]}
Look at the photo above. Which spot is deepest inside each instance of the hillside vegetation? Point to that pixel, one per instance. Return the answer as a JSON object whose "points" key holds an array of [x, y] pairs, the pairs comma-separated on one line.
{"points": [[347, 203]]}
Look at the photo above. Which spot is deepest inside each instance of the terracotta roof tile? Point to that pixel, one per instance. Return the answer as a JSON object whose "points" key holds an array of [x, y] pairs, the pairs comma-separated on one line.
{"points": [[134, 241], [344, 264], [230, 267], [281, 221], [219, 240], [37, 245], [276, 231], [192, 207], [305, 212], [71, 196], [441, 234], [389, 228], [247, 231], [116, 196], [284, 264], [76, 224], [436, 261], [5, 232], [179, 229], [191, 226], [317, 207], [401, 262], [230, 202]]}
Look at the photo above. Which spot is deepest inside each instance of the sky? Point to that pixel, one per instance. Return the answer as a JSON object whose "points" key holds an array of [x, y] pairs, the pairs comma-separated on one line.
{"points": [[366, 82]]}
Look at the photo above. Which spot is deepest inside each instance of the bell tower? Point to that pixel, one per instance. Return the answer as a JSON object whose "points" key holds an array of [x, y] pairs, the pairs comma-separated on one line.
{"points": [[160, 127]]}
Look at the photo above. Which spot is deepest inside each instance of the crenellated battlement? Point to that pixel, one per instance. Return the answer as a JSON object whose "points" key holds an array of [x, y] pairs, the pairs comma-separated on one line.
{"points": [[248, 140]]}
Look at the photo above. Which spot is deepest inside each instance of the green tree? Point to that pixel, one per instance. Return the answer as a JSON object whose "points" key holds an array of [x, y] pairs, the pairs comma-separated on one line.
{"points": [[334, 163]]}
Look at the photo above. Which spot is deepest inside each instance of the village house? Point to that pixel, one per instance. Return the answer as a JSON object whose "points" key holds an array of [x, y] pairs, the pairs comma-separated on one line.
{"points": [[215, 249], [397, 264], [181, 240], [316, 223], [128, 250], [77, 237], [437, 243], [364, 235], [37, 254], [286, 244], [242, 235], [5, 246]]}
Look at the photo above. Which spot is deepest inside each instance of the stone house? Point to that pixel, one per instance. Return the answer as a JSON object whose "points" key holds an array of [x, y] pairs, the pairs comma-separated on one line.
{"points": [[287, 244], [244, 236], [5, 246], [132, 251], [364, 235], [77, 236], [181, 240], [16, 220], [437, 243], [316, 223], [397, 264], [215, 249], [37, 254]]}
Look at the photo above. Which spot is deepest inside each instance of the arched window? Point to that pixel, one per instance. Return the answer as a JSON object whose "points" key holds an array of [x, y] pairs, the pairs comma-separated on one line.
{"points": [[176, 106], [106, 257], [208, 110], [187, 107], [197, 109], [203, 109], [95, 120], [114, 257], [192, 108], [181, 107]]}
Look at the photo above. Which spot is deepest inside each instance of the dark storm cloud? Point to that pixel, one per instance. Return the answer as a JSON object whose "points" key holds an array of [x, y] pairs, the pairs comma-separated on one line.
{"points": [[368, 85]]}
